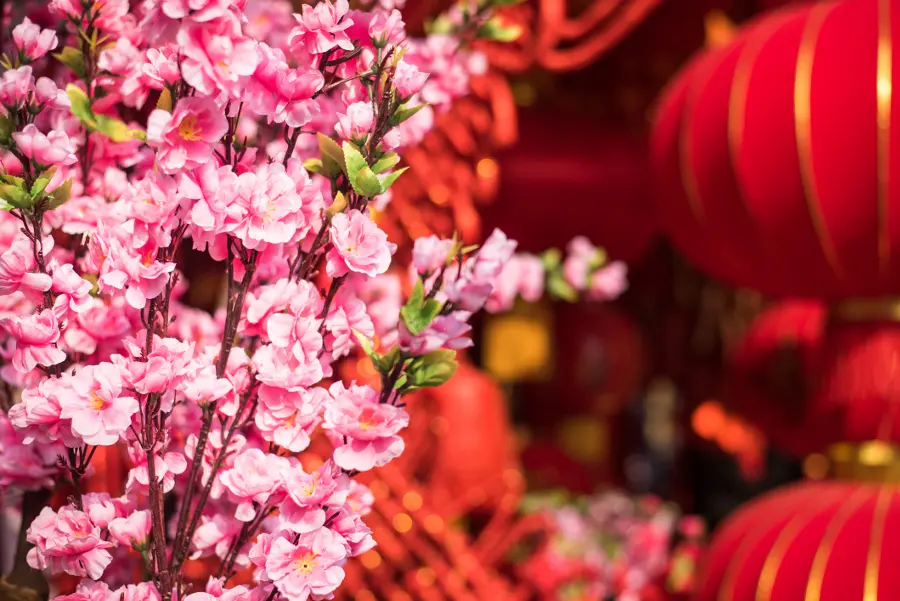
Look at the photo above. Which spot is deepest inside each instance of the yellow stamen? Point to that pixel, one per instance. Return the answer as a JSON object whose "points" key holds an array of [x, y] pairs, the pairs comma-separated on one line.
{"points": [[188, 128]]}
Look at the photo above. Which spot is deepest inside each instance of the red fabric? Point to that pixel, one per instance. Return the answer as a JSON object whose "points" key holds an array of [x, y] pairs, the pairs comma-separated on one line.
{"points": [[753, 222]]}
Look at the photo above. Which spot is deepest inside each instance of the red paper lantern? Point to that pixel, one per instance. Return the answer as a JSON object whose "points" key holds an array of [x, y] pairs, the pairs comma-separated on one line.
{"points": [[774, 154], [815, 541], [769, 373]]}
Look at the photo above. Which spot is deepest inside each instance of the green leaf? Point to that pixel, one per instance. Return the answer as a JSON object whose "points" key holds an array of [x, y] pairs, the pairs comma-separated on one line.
{"points": [[112, 128], [73, 59], [313, 165], [361, 176], [138, 134], [418, 313], [469, 249], [5, 129], [441, 25], [12, 179], [551, 258], [366, 183], [337, 206], [16, 196], [386, 162], [404, 112], [494, 30], [559, 288], [332, 156], [40, 184], [165, 100], [81, 105], [434, 369], [61, 194], [386, 180]]}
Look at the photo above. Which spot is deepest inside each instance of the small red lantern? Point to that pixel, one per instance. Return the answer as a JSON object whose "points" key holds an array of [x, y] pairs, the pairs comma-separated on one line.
{"points": [[769, 372], [774, 154]]}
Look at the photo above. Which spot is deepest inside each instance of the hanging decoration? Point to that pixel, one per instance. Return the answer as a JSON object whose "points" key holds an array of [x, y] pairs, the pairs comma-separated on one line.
{"points": [[783, 139]]}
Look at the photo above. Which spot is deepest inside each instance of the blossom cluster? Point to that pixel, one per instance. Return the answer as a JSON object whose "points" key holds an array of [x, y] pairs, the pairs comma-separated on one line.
{"points": [[131, 133], [612, 546]]}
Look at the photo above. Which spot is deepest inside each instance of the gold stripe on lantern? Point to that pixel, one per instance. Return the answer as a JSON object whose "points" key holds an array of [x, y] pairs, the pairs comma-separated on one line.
{"points": [[884, 90], [823, 552], [803, 128], [873, 557]]}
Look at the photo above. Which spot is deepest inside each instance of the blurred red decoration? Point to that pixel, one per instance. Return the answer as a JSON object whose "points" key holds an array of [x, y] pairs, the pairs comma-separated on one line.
{"points": [[774, 154], [809, 378], [567, 176], [565, 35], [815, 541]]}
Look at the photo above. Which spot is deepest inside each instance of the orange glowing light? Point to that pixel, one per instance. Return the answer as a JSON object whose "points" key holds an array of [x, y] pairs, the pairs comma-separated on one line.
{"points": [[708, 419]]}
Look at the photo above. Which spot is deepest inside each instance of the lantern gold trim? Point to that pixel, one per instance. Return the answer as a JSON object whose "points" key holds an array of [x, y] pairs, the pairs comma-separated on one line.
{"points": [[874, 461], [866, 309]]}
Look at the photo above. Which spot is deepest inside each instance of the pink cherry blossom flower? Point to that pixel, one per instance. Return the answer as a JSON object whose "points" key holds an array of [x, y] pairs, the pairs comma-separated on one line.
{"points": [[103, 508], [271, 207], [358, 245], [609, 281], [347, 319], [143, 591], [359, 498], [160, 69], [387, 28], [68, 541], [166, 467], [408, 79], [89, 590], [99, 409], [321, 28], [522, 275], [308, 568], [37, 417], [34, 339], [133, 530], [47, 93], [73, 289], [15, 86], [215, 59], [288, 418], [185, 138], [283, 94], [309, 494], [32, 41], [300, 335], [214, 535], [581, 259], [253, 478], [204, 386], [370, 427], [149, 207], [200, 11], [430, 253], [356, 122], [25, 466], [445, 331], [140, 276], [279, 367], [18, 269], [356, 534], [47, 150]]}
